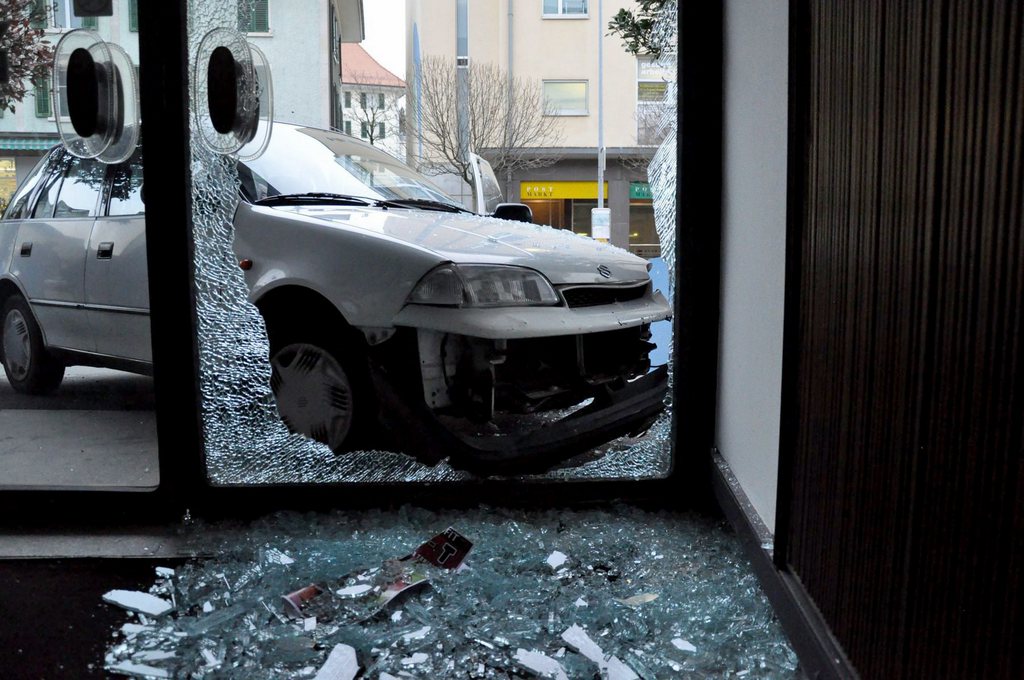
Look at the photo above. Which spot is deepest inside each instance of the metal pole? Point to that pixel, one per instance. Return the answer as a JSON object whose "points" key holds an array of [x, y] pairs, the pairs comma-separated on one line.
{"points": [[600, 105], [508, 107], [462, 72]]}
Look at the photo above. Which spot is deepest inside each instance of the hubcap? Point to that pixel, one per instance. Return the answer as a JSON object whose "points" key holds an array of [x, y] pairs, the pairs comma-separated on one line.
{"points": [[314, 396], [17, 348]]}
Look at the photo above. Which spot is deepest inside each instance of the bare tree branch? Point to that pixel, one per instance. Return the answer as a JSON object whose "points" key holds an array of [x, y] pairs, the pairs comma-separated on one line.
{"points": [[27, 55], [508, 122]]}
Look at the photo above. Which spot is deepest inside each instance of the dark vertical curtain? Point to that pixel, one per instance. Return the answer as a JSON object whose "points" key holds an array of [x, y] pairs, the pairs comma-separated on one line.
{"points": [[902, 496]]}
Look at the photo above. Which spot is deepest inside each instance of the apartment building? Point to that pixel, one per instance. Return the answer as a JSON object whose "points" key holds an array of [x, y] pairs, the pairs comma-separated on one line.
{"points": [[301, 41], [373, 100], [556, 43]]}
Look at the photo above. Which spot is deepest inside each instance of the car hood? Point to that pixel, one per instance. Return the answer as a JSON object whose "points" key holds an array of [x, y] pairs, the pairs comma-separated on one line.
{"points": [[562, 256]]}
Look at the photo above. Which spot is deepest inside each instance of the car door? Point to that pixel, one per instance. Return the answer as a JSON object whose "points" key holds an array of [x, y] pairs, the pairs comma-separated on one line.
{"points": [[116, 279], [49, 256]]}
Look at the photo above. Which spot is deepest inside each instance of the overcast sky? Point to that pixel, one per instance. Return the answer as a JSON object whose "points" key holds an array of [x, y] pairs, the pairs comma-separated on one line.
{"points": [[385, 33]]}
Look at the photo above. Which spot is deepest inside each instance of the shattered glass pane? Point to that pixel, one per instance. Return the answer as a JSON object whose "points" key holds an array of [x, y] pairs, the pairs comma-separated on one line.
{"points": [[246, 442], [631, 593]]}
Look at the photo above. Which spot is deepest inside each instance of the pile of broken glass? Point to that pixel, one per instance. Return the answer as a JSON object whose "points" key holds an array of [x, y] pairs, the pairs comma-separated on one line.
{"points": [[618, 593]]}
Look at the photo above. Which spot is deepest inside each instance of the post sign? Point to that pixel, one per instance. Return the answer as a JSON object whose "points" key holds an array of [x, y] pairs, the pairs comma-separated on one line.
{"points": [[601, 224], [560, 190], [640, 191]]}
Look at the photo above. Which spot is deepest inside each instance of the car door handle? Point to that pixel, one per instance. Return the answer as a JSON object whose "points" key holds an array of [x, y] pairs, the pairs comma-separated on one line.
{"points": [[105, 250], [26, 249]]}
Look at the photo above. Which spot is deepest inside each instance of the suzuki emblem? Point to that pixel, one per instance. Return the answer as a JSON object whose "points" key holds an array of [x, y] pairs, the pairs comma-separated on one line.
{"points": [[604, 271]]}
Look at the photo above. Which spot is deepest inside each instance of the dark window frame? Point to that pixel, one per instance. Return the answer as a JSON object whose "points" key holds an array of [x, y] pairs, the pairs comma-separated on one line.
{"points": [[183, 484]]}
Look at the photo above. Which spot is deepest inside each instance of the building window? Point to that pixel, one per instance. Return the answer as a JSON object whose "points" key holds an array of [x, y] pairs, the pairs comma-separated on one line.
{"points": [[259, 17], [348, 100], [38, 16], [651, 92], [58, 14], [565, 98], [364, 132], [651, 86], [565, 8], [43, 109], [362, 100], [133, 15], [380, 100], [348, 127], [380, 130]]}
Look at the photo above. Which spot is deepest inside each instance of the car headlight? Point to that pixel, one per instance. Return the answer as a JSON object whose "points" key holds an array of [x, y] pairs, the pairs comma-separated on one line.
{"points": [[481, 285]]}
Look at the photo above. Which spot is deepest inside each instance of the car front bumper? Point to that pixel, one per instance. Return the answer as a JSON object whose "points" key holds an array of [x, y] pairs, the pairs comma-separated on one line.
{"points": [[511, 323], [615, 412]]}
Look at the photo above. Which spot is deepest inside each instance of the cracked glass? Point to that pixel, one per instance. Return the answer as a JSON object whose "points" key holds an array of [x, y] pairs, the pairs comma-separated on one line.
{"points": [[361, 319]]}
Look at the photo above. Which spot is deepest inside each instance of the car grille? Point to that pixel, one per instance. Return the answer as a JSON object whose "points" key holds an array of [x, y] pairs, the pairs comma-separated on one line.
{"points": [[592, 296]]}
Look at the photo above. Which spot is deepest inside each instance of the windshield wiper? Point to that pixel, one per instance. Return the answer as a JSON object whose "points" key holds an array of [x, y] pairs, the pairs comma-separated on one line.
{"points": [[422, 204], [314, 197]]}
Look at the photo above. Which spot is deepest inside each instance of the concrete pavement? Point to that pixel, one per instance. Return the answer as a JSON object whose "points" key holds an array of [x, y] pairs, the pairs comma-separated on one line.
{"points": [[98, 430]]}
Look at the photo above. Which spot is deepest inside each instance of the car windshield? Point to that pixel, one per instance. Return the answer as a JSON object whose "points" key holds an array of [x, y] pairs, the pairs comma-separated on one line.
{"points": [[307, 161]]}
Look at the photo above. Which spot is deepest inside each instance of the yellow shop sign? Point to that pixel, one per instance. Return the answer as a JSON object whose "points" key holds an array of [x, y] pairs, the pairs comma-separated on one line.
{"points": [[541, 190]]}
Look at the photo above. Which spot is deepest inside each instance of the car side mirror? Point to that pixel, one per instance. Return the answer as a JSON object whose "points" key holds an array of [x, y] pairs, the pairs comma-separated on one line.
{"points": [[519, 212]]}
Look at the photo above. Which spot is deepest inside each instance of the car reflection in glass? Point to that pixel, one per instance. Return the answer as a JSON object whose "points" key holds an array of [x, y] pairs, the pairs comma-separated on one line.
{"points": [[396, 318]]}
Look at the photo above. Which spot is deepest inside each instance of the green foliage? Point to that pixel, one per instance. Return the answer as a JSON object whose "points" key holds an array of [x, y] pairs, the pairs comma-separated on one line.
{"points": [[635, 28], [29, 56]]}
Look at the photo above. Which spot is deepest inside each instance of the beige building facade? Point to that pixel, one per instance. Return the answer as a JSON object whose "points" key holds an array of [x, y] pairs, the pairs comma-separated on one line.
{"points": [[556, 42]]}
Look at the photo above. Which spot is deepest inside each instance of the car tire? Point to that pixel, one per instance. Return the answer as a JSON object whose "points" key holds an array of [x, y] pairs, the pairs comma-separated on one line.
{"points": [[29, 366], [322, 391]]}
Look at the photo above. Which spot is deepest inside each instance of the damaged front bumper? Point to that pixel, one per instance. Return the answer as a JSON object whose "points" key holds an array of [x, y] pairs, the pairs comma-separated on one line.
{"points": [[615, 411]]}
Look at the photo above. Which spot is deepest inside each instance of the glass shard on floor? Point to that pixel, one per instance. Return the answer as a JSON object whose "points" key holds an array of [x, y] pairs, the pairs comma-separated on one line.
{"points": [[631, 594]]}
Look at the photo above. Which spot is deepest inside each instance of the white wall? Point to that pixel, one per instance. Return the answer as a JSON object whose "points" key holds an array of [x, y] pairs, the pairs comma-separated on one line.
{"points": [[753, 246], [297, 48]]}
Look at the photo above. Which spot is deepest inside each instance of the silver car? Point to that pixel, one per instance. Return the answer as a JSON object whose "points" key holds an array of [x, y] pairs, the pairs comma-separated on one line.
{"points": [[385, 301]]}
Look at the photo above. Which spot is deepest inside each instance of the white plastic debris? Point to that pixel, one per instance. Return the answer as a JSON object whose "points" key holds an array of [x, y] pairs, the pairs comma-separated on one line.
{"points": [[611, 666], [134, 601], [309, 623], [638, 600], [617, 670], [210, 658], [138, 670], [133, 629], [388, 676], [684, 645], [580, 602], [164, 572], [207, 607], [153, 655], [416, 634], [275, 556], [418, 657], [354, 591], [578, 639], [556, 559], [341, 664], [397, 616], [541, 664]]}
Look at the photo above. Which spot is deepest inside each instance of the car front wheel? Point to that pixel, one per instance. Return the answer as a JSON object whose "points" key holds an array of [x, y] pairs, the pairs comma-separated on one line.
{"points": [[30, 368], [314, 393]]}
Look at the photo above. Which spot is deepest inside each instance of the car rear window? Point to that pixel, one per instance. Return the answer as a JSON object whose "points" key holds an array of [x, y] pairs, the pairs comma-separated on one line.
{"points": [[126, 190], [80, 191]]}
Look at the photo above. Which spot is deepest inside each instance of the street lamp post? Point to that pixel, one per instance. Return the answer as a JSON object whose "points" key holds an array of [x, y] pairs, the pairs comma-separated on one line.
{"points": [[600, 217]]}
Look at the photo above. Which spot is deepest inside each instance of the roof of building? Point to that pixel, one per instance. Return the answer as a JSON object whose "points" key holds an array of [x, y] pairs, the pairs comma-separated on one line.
{"points": [[359, 68]]}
